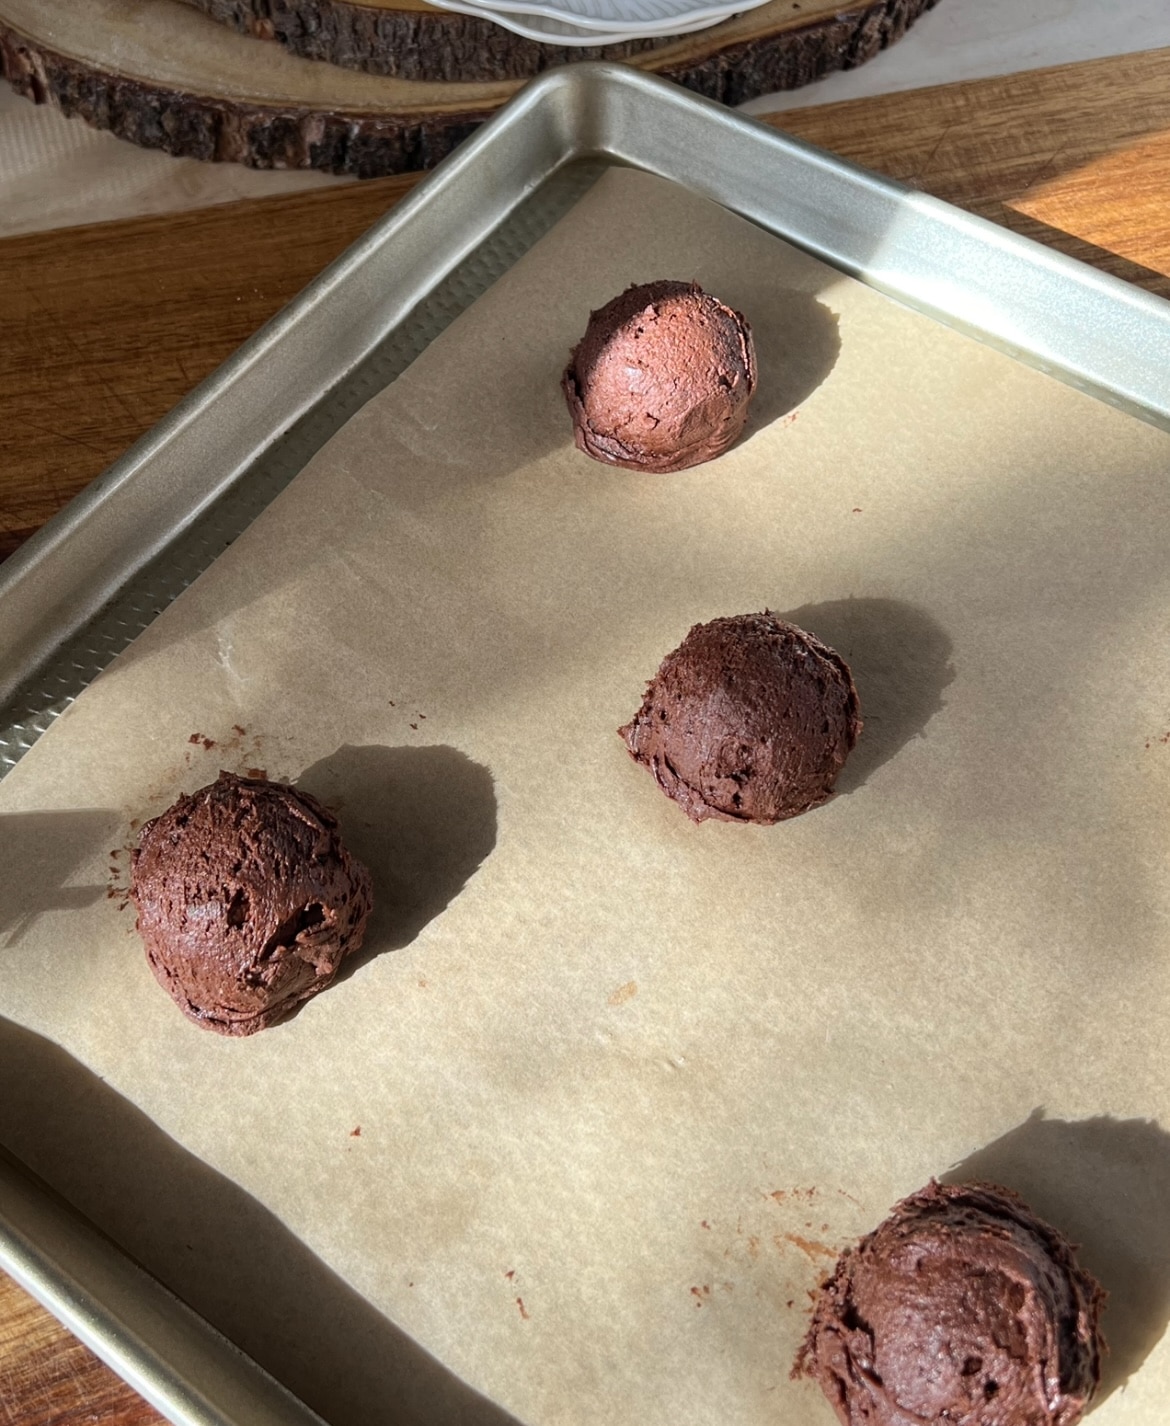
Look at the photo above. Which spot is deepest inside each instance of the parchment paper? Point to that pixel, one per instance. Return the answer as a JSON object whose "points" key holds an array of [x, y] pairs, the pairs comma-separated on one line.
{"points": [[577, 1137]]}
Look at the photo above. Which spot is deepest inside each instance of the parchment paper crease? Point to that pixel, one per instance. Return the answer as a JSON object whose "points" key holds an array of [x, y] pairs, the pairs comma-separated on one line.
{"points": [[625, 1085]]}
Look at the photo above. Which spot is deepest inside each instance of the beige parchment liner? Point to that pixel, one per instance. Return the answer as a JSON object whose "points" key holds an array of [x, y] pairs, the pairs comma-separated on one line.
{"points": [[625, 1085]]}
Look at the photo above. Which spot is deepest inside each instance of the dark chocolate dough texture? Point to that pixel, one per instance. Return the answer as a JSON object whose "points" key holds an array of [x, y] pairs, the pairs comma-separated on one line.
{"points": [[662, 378], [750, 719], [963, 1309], [247, 902]]}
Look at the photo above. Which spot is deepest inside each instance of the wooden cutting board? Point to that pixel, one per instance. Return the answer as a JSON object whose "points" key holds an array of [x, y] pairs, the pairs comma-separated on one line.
{"points": [[1077, 156], [47, 1376], [164, 75]]}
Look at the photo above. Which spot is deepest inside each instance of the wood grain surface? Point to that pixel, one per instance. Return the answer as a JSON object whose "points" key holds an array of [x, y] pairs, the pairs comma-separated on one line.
{"points": [[1077, 156], [106, 327], [47, 1378]]}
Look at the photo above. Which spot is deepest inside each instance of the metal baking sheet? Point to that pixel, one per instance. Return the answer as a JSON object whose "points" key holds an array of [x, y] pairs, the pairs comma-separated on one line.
{"points": [[242, 433], [364, 319]]}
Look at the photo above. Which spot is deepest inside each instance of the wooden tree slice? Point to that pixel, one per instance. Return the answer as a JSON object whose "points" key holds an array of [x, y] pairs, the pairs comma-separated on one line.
{"points": [[408, 39], [163, 75], [405, 39]]}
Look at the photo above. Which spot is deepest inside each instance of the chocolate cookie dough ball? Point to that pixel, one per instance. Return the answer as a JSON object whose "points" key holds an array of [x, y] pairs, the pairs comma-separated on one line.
{"points": [[247, 902], [963, 1307], [750, 719], [662, 378]]}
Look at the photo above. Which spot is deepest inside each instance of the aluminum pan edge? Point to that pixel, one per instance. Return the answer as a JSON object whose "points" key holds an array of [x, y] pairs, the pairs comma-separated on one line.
{"points": [[54, 584], [170, 1356], [1054, 312], [1089, 328]]}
